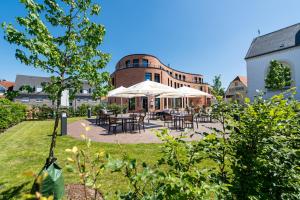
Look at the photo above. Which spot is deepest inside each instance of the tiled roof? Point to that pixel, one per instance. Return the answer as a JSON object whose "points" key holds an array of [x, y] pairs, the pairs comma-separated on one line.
{"points": [[276, 41], [243, 79], [7, 84]]}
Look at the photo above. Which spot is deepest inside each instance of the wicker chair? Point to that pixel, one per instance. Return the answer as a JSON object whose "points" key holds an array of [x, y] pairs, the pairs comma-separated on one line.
{"points": [[188, 121], [138, 123], [167, 119], [113, 123]]}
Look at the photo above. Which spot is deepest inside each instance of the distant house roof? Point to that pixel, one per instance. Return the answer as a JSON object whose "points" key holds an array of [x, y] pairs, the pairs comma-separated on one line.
{"points": [[7, 84], [36, 81], [276, 41], [243, 79], [32, 81]]}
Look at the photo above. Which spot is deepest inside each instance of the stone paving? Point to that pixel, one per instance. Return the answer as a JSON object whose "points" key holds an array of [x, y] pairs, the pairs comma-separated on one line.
{"points": [[100, 133]]}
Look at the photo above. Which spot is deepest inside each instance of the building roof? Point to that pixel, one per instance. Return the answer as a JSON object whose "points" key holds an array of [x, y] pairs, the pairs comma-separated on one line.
{"points": [[7, 84], [276, 41], [36, 81], [243, 79], [32, 81], [168, 66]]}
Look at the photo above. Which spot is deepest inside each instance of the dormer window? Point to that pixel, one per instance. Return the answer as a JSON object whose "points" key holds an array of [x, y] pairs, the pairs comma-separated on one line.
{"points": [[39, 89], [145, 62], [127, 63], [135, 62]]}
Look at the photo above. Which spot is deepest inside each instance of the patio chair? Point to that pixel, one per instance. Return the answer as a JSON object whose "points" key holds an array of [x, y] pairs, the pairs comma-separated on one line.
{"points": [[167, 119], [138, 123], [188, 121], [113, 123], [101, 118]]}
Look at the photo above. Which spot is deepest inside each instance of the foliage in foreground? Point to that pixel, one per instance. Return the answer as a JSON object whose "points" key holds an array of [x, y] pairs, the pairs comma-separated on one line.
{"points": [[11, 113], [256, 155]]}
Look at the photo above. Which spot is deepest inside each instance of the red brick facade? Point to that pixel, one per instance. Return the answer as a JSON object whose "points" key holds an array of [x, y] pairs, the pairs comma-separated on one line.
{"points": [[132, 69]]}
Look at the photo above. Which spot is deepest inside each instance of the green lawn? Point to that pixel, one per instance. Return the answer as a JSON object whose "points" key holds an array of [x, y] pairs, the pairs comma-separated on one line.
{"points": [[24, 148]]}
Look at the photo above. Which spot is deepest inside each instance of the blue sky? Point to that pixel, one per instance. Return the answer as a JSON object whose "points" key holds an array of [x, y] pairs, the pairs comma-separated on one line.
{"points": [[209, 37]]}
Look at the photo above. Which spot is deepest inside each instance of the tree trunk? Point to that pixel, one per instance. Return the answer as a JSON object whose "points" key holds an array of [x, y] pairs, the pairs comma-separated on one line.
{"points": [[51, 157]]}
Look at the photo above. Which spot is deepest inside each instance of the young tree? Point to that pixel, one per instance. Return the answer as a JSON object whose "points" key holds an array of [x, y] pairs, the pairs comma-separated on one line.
{"points": [[278, 77], [217, 86], [58, 37]]}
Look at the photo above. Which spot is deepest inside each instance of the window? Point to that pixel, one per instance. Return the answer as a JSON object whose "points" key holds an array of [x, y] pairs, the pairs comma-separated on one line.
{"points": [[2, 89], [179, 76], [90, 90], [195, 79], [157, 103], [127, 63], [39, 100], [38, 89], [148, 76], [175, 85], [131, 104], [171, 73], [171, 83], [157, 78], [200, 80], [183, 77], [168, 82], [181, 85], [145, 62], [189, 86], [113, 81], [135, 62], [84, 91], [25, 99], [236, 83], [176, 76]]}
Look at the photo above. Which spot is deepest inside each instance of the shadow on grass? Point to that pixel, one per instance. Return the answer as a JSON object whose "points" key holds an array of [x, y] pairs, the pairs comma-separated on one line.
{"points": [[12, 192]]}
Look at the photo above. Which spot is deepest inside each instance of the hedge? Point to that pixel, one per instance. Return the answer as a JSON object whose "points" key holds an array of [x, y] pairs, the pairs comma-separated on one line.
{"points": [[11, 113]]}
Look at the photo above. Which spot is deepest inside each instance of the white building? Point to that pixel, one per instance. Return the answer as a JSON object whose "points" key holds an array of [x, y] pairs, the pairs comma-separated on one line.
{"points": [[282, 45]]}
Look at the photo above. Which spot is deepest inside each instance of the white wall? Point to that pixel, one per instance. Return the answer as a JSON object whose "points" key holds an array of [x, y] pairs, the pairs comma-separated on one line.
{"points": [[257, 69]]}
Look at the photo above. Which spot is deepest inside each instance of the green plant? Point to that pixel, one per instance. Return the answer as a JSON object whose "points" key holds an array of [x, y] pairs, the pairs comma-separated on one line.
{"points": [[88, 165], [254, 155], [178, 174], [116, 108], [266, 146], [278, 77], [217, 88], [11, 113], [11, 94], [58, 37]]}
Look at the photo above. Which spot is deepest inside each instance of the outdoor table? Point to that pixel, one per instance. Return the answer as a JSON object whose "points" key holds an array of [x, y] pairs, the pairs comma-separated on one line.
{"points": [[123, 120]]}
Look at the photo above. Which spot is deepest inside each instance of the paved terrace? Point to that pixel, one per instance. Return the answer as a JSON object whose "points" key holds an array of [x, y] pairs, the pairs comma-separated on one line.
{"points": [[100, 133]]}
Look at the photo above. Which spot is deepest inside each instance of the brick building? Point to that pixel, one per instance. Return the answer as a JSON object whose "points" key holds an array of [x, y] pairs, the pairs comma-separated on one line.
{"points": [[135, 68]]}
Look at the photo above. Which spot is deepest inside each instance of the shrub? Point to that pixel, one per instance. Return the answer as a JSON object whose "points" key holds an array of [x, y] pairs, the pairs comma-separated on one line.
{"points": [[117, 109], [254, 155], [11, 113]]}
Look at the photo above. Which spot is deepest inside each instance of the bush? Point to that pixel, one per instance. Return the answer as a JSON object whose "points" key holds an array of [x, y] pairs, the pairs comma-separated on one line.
{"points": [[254, 155], [44, 112], [11, 113], [117, 109]]}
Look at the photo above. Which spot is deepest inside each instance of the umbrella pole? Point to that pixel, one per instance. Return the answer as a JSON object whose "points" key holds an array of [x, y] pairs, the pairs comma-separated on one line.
{"points": [[121, 105], [167, 103]]}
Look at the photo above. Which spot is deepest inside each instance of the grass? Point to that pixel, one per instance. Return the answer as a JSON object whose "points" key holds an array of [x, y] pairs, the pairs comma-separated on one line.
{"points": [[24, 148]]}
